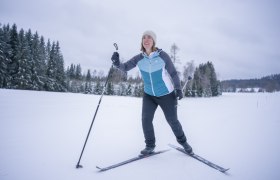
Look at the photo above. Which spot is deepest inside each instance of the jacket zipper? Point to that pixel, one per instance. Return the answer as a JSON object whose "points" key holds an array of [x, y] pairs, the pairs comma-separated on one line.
{"points": [[150, 66]]}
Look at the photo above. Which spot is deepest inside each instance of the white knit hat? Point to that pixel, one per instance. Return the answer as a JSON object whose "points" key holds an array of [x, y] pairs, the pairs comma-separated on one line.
{"points": [[152, 34]]}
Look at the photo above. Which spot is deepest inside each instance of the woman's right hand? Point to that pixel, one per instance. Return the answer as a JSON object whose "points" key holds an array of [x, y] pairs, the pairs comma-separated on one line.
{"points": [[116, 59]]}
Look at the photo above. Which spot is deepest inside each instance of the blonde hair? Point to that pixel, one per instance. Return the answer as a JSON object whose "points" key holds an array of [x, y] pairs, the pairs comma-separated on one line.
{"points": [[154, 48]]}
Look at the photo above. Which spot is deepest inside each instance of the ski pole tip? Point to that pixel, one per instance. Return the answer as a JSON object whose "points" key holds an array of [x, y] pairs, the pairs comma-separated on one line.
{"points": [[79, 166]]}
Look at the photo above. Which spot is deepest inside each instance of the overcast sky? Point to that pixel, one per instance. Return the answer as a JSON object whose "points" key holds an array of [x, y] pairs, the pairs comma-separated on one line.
{"points": [[240, 37]]}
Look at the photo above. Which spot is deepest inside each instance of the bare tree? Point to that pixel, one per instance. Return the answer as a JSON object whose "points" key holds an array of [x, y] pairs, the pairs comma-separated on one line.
{"points": [[174, 57], [174, 51]]}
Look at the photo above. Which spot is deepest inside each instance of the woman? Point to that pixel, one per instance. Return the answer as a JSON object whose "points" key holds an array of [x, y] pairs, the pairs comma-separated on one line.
{"points": [[161, 88]]}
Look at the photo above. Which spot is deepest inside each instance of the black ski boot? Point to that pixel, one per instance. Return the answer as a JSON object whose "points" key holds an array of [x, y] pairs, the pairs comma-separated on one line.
{"points": [[148, 150], [187, 148]]}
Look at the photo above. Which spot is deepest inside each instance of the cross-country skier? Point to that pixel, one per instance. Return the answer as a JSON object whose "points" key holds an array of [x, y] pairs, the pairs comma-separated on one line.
{"points": [[161, 88]]}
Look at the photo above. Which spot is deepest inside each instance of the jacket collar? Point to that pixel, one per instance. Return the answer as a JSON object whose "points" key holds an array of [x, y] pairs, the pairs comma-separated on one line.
{"points": [[153, 54]]}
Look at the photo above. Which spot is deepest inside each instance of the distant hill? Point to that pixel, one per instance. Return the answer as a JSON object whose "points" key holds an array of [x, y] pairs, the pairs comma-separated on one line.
{"points": [[265, 84]]}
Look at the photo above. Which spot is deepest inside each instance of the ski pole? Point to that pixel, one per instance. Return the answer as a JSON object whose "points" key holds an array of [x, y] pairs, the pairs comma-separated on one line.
{"points": [[104, 89], [189, 78]]}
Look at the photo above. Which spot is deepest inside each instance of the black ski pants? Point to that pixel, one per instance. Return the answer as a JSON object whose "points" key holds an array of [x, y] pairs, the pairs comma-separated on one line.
{"points": [[168, 104]]}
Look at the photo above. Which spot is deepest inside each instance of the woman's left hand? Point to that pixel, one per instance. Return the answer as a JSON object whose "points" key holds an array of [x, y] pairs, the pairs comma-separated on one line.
{"points": [[179, 94]]}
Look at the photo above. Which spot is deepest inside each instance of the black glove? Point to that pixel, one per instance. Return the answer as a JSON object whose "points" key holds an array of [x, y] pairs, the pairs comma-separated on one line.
{"points": [[116, 59], [178, 94]]}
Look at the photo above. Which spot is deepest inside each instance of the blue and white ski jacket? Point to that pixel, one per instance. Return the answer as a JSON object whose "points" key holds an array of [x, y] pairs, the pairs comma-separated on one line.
{"points": [[157, 70]]}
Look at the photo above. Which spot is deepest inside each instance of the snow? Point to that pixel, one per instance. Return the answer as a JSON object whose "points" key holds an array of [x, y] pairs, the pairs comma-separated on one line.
{"points": [[42, 133]]}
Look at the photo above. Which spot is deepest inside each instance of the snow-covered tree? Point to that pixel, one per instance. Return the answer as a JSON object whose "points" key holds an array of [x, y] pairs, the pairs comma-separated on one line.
{"points": [[97, 88], [55, 70], [88, 76], [110, 89], [22, 79], [205, 83], [60, 67], [5, 55], [13, 65], [39, 66], [78, 72]]}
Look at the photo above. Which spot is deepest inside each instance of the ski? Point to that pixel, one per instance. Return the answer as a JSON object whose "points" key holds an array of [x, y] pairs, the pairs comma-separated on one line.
{"points": [[130, 160], [201, 159]]}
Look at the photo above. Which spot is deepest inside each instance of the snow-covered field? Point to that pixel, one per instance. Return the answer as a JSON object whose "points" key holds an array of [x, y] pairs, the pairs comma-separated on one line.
{"points": [[42, 133]]}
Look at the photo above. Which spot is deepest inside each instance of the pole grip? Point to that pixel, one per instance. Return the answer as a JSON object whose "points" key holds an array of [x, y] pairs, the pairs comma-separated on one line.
{"points": [[116, 46]]}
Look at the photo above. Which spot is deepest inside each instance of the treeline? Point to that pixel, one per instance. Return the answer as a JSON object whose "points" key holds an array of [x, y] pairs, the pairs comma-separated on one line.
{"points": [[28, 62], [93, 82], [269, 83], [204, 82]]}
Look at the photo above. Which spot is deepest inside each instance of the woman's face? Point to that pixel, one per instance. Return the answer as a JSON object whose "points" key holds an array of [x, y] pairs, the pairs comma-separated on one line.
{"points": [[147, 42]]}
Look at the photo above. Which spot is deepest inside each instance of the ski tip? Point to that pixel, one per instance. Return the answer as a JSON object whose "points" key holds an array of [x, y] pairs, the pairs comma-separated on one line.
{"points": [[225, 170], [100, 169]]}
